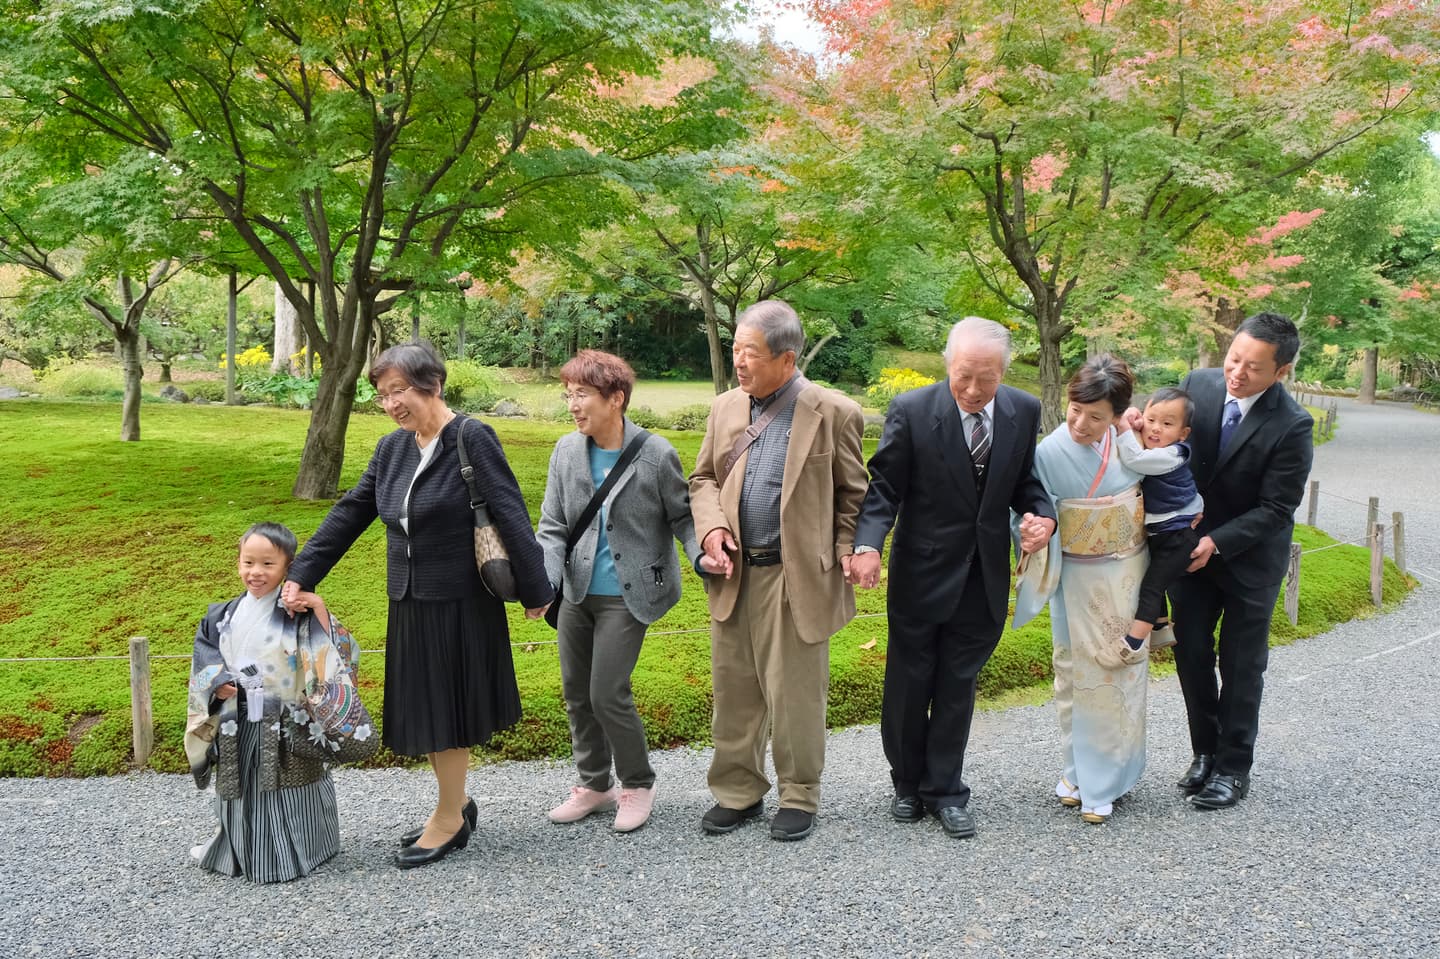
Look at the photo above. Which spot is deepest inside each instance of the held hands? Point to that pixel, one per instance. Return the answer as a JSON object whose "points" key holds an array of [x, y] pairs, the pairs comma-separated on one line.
{"points": [[1035, 532], [226, 691], [537, 612], [718, 544], [863, 569], [1201, 554]]}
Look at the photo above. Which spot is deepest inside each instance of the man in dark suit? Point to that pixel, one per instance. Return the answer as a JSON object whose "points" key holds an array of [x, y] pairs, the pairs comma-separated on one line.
{"points": [[1251, 457], [954, 460]]}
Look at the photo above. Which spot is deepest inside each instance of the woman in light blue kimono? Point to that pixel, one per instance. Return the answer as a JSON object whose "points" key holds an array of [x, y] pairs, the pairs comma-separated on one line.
{"points": [[1091, 577]]}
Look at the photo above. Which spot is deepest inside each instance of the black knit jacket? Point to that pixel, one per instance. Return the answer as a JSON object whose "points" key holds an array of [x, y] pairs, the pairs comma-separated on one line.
{"points": [[436, 560]]}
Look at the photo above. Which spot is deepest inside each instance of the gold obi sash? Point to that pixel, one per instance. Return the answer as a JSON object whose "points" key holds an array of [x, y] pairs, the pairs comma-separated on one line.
{"points": [[1108, 527]]}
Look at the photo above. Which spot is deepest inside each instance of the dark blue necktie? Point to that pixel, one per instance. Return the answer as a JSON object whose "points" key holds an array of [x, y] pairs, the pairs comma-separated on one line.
{"points": [[1227, 426]]}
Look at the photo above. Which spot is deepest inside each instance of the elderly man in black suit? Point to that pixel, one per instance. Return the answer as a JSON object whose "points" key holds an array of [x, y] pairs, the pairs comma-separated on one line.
{"points": [[1251, 457], [955, 458]]}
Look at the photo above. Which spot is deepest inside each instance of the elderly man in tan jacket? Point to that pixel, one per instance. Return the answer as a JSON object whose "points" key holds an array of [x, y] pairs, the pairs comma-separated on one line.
{"points": [[775, 494]]}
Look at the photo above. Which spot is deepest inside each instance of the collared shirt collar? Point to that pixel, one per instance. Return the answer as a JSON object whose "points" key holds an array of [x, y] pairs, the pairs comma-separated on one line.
{"points": [[1244, 404], [760, 402], [989, 412]]}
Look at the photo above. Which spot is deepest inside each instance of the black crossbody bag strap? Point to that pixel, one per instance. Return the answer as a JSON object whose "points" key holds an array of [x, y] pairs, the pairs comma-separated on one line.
{"points": [[591, 508]]}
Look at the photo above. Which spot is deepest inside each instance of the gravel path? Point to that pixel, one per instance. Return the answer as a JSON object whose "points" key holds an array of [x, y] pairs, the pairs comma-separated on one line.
{"points": [[1332, 854]]}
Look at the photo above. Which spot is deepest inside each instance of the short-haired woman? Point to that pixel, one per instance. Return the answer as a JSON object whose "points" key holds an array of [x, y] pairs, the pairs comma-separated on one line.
{"points": [[621, 576], [1099, 546], [449, 676]]}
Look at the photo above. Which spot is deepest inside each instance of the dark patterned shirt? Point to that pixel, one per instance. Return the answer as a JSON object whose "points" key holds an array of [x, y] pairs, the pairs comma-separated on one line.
{"points": [[764, 477]]}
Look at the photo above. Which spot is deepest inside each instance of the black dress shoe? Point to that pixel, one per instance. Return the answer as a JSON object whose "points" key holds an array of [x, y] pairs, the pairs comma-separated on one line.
{"points": [[1221, 791], [722, 819], [956, 821], [417, 855], [907, 809], [1194, 779], [471, 813], [791, 824]]}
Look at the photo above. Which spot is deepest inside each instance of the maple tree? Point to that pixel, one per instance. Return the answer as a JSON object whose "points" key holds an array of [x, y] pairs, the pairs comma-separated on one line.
{"points": [[360, 150], [1068, 150]]}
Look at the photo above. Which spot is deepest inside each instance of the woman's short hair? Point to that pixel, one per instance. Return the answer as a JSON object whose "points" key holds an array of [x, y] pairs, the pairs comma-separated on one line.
{"points": [[279, 536], [1103, 377], [601, 371], [418, 362], [778, 323]]}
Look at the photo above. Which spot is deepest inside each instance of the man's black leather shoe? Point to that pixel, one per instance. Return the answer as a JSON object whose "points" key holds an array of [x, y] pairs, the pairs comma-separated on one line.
{"points": [[907, 809], [471, 812], [721, 819], [1221, 791], [791, 824], [956, 821], [1194, 779]]}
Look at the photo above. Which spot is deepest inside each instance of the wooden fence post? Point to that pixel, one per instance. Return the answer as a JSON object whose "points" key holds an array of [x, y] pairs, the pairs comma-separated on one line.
{"points": [[1377, 563], [142, 724], [1372, 515], [1312, 512], [1292, 586], [1397, 533]]}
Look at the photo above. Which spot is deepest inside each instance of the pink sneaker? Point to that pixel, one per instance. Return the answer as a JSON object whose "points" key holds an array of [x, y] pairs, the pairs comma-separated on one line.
{"points": [[635, 806], [582, 802]]}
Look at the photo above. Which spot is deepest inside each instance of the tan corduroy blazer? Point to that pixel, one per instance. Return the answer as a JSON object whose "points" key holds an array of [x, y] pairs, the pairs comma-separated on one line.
{"points": [[824, 484]]}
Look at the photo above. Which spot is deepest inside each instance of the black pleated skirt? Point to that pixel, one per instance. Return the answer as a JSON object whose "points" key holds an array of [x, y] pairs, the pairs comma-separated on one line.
{"points": [[449, 675]]}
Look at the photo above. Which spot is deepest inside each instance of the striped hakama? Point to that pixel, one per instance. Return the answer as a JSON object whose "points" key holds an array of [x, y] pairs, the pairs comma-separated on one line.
{"points": [[272, 835]]}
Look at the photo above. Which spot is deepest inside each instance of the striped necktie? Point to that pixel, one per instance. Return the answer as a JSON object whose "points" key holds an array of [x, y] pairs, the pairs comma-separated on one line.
{"points": [[979, 444]]}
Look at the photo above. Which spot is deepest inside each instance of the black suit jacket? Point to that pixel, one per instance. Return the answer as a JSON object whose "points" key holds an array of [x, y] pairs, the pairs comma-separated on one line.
{"points": [[922, 483], [436, 559], [1253, 489]]}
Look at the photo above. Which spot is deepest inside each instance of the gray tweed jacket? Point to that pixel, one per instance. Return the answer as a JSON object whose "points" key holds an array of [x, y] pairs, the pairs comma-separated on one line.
{"points": [[649, 505]]}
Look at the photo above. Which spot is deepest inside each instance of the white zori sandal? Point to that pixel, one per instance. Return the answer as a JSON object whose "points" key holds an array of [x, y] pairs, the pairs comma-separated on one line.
{"points": [[1068, 793]]}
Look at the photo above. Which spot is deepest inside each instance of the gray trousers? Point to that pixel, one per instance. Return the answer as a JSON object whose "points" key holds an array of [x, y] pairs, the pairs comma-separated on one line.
{"points": [[599, 644]]}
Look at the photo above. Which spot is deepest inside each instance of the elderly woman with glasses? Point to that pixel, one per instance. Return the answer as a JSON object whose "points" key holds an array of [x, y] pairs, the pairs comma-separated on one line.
{"points": [[621, 576], [449, 676]]}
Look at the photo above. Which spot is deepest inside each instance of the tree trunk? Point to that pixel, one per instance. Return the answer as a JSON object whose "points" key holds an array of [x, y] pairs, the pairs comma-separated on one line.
{"points": [[127, 342], [324, 454], [1368, 375], [165, 371], [232, 313], [719, 377], [1052, 384], [287, 333]]}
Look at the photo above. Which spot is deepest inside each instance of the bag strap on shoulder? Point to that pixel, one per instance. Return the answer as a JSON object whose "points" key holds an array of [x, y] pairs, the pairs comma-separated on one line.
{"points": [[627, 456]]}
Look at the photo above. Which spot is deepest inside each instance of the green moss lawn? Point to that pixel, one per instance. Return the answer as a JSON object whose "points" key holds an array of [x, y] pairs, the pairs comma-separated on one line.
{"points": [[104, 540]]}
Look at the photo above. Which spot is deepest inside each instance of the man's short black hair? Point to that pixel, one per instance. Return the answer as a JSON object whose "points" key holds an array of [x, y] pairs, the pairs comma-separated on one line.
{"points": [[1278, 331]]}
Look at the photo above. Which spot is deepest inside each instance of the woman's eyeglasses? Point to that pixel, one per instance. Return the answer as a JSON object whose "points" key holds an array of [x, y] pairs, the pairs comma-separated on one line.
{"points": [[382, 398]]}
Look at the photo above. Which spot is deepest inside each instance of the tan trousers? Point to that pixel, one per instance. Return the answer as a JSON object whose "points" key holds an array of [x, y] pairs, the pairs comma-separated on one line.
{"points": [[767, 684]]}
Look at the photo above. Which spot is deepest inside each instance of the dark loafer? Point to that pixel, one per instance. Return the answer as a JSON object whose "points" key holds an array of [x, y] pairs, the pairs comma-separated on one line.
{"points": [[471, 813], [791, 824], [1221, 791], [417, 855], [1200, 769], [722, 819], [956, 821], [907, 809]]}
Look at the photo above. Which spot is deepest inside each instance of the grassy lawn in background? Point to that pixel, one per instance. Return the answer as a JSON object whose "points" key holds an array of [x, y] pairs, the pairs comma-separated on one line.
{"points": [[104, 540]]}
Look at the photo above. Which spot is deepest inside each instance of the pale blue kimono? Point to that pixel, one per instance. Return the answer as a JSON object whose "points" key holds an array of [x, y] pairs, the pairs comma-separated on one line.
{"points": [[1101, 710]]}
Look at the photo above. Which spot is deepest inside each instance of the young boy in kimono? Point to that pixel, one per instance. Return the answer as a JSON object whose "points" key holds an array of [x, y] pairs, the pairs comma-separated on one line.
{"points": [[264, 692]]}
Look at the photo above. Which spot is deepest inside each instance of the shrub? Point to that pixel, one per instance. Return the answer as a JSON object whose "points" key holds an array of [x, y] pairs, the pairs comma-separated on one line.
{"points": [[691, 417], [66, 377], [212, 390], [645, 418], [894, 381], [471, 386]]}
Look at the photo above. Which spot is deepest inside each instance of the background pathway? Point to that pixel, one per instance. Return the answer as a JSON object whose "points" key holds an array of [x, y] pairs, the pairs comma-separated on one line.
{"points": [[1333, 854]]}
